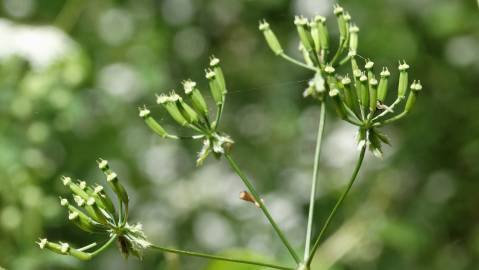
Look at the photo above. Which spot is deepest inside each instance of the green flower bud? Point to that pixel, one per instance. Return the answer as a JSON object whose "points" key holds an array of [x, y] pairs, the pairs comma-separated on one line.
{"points": [[347, 16], [329, 70], [369, 65], [80, 219], [187, 112], [270, 37], [214, 63], [416, 87], [349, 95], [103, 200], [60, 248], [303, 32], [373, 95], [363, 91], [403, 79], [63, 249], [197, 100], [75, 188], [315, 36], [323, 32], [342, 23], [215, 87], [353, 38], [334, 94], [170, 104], [151, 122], [306, 55], [117, 187], [80, 254], [383, 85]]}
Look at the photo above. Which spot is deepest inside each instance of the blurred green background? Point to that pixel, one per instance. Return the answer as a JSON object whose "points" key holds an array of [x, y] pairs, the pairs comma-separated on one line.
{"points": [[74, 72]]}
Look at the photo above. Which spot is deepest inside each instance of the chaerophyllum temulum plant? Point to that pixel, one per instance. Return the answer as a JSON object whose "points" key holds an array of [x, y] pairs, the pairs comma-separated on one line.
{"points": [[358, 99]]}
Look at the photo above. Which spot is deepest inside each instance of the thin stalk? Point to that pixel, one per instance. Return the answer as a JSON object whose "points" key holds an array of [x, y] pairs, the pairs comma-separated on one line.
{"points": [[219, 113], [105, 246], [390, 120], [219, 258], [338, 204], [296, 62], [257, 198], [87, 247], [176, 137], [314, 180], [390, 108]]}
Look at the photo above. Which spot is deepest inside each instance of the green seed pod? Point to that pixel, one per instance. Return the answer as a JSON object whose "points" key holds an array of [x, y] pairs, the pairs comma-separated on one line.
{"points": [[338, 104], [95, 208], [349, 95], [416, 87], [103, 164], [215, 87], [188, 113], [75, 188], [197, 100], [315, 36], [169, 103], [373, 95], [323, 32], [403, 80], [80, 254], [306, 55], [63, 249], [353, 38], [383, 85], [60, 248], [270, 37], [80, 219], [303, 32], [152, 123], [363, 91], [103, 199], [342, 23], [117, 187], [331, 80], [214, 63]]}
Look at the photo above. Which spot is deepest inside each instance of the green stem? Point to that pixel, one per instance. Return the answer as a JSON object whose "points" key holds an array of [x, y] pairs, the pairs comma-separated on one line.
{"points": [[219, 113], [390, 120], [219, 258], [296, 62], [390, 108], [338, 204], [257, 198], [314, 180], [105, 246]]}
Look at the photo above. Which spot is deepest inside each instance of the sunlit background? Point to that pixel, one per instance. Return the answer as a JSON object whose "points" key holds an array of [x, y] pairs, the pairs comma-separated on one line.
{"points": [[74, 72]]}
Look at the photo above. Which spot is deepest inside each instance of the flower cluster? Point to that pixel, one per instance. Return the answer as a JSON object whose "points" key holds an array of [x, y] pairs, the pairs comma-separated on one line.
{"points": [[361, 101], [315, 41], [93, 211], [358, 99], [195, 116]]}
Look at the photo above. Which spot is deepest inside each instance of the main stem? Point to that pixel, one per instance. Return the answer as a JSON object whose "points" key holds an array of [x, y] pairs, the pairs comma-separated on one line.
{"points": [[257, 198], [314, 180], [219, 258], [338, 204]]}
